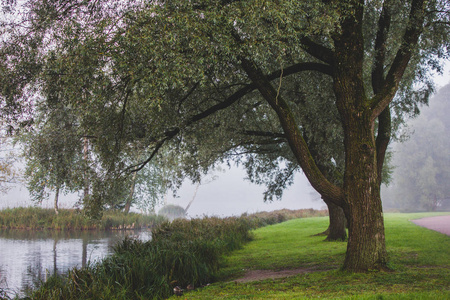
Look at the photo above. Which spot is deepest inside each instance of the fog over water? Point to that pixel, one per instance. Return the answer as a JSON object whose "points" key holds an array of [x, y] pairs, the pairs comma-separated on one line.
{"points": [[229, 194]]}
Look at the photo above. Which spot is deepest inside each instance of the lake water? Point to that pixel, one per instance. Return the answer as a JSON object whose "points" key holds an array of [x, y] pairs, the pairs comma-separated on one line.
{"points": [[28, 257]]}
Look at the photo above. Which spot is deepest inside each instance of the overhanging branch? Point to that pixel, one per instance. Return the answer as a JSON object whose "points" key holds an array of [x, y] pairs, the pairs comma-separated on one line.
{"points": [[293, 134], [296, 68]]}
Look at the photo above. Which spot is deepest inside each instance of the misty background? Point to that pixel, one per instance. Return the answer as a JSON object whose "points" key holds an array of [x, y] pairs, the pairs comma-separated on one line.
{"points": [[227, 193]]}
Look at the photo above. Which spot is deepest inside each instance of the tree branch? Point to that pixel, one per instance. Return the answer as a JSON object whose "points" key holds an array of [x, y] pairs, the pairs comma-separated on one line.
{"points": [[264, 134], [383, 138], [410, 39], [380, 47], [384, 119], [293, 134], [318, 51], [300, 67]]}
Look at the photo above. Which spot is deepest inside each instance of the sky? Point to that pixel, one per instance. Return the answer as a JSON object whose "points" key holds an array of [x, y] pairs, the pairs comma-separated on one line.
{"points": [[229, 194]]}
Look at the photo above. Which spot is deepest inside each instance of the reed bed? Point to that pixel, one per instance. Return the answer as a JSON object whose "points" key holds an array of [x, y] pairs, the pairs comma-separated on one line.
{"points": [[36, 218], [183, 253]]}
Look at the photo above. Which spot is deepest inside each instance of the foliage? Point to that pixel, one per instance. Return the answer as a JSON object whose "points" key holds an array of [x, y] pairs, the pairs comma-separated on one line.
{"points": [[53, 155], [150, 186], [70, 219], [422, 166], [8, 171], [125, 104], [173, 74]]}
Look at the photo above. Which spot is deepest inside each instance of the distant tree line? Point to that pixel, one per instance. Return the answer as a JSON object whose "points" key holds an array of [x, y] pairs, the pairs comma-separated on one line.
{"points": [[422, 162]]}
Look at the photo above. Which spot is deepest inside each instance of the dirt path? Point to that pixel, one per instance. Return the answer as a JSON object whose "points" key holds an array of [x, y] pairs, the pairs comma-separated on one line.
{"points": [[439, 223], [255, 275]]}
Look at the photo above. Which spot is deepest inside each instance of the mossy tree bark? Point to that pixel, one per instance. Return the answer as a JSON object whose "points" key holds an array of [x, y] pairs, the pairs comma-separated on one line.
{"points": [[366, 243]]}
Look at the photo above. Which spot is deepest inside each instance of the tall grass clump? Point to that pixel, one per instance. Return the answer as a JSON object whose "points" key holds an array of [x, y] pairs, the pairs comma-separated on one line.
{"points": [[183, 253]]}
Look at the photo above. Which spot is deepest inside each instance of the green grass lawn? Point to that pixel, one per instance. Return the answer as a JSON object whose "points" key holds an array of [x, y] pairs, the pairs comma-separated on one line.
{"points": [[419, 258]]}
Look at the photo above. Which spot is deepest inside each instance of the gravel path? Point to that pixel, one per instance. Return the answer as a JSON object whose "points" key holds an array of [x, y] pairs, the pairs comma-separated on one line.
{"points": [[440, 223]]}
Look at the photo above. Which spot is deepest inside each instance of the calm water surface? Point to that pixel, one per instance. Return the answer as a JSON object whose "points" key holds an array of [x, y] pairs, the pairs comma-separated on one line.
{"points": [[27, 257]]}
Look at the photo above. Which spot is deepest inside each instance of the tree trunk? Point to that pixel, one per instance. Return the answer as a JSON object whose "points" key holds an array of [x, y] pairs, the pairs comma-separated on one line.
{"points": [[86, 177], [130, 196], [366, 247], [338, 223], [84, 252], [192, 200], [56, 200]]}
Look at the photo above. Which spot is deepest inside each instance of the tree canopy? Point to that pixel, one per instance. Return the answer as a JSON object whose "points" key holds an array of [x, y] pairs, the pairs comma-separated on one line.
{"points": [[196, 76]]}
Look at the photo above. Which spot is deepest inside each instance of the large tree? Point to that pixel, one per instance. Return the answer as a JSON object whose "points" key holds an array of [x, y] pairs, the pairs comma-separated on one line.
{"points": [[155, 72]]}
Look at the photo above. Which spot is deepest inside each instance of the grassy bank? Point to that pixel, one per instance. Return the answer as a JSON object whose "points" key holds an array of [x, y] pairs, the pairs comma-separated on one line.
{"points": [[71, 219], [419, 258], [182, 253]]}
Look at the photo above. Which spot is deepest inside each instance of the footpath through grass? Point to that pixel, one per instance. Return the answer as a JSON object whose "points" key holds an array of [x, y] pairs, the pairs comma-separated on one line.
{"points": [[419, 258]]}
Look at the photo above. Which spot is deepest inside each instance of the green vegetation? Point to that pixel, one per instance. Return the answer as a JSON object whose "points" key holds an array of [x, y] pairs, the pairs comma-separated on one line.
{"points": [[72, 219], [420, 263], [192, 252], [181, 253]]}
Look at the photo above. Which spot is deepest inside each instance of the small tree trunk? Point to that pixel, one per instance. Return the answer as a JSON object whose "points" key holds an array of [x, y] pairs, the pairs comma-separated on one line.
{"points": [[55, 261], [192, 200], [130, 196], [56, 200], [84, 252], [86, 177], [337, 229]]}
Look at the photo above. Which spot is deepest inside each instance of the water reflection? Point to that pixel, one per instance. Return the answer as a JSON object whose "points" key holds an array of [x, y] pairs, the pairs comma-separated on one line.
{"points": [[28, 257]]}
